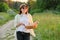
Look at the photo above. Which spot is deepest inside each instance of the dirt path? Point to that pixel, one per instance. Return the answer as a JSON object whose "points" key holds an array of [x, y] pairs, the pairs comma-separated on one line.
{"points": [[7, 31]]}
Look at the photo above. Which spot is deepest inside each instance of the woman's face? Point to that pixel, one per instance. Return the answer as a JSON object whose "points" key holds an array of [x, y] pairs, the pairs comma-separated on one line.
{"points": [[24, 9]]}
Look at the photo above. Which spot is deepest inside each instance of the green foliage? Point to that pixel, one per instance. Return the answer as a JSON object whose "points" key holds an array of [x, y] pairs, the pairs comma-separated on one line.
{"points": [[3, 7], [32, 4], [11, 12], [44, 5], [48, 27], [36, 11], [41, 3], [4, 17], [37, 6], [16, 5], [50, 4], [58, 7]]}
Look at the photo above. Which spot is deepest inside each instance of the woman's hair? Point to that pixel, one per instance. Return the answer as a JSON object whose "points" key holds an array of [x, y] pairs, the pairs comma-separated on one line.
{"points": [[22, 6]]}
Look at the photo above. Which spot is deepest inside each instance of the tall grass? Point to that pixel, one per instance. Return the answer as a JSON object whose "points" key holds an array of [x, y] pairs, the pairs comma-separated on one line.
{"points": [[48, 27], [4, 17]]}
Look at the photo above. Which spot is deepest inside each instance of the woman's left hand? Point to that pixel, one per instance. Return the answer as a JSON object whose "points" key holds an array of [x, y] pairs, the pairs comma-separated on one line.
{"points": [[35, 24]]}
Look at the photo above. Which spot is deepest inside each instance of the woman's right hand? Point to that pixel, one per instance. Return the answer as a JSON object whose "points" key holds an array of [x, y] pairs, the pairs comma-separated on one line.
{"points": [[20, 24]]}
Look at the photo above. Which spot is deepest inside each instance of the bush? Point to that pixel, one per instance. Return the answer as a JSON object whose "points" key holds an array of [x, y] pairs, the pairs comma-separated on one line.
{"points": [[5, 17], [36, 11], [3, 7], [58, 8], [41, 4], [48, 4], [11, 12]]}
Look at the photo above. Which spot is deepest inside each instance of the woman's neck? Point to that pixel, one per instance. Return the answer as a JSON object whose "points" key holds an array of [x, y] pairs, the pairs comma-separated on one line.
{"points": [[24, 13]]}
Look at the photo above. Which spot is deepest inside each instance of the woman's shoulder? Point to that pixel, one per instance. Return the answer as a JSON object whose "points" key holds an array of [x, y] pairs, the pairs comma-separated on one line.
{"points": [[17, 15], [29, 14]]}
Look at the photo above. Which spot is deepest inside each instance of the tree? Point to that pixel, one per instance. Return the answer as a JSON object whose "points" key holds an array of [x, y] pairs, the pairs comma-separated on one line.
{"points": [[48, 4]]}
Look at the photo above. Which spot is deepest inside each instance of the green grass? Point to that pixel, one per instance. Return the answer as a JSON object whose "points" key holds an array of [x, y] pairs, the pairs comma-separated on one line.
{"points": [[48, 27], [6, 17]]}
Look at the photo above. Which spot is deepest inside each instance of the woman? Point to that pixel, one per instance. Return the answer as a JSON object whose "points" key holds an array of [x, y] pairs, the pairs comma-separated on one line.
{"points": [[24, 24]]}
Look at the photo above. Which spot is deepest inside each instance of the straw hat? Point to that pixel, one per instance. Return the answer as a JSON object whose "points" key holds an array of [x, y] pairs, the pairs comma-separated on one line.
{"points": [[23, 5]]}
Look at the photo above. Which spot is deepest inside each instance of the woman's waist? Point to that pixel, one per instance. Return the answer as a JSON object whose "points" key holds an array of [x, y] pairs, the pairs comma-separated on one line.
{"points": [[23, 32], [22, 27]]}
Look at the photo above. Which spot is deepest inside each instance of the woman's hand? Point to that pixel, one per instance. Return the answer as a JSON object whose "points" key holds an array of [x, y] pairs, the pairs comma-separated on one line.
{"points": [[20, 24], [33, 26]]}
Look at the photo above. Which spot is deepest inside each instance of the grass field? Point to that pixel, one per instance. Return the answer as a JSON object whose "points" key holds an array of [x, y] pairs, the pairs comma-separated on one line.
{"points": [[4, 17], [48, 27]]}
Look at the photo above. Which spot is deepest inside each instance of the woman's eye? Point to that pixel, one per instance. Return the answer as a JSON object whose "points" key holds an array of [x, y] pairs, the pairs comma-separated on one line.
{"points": [[22, 8]]}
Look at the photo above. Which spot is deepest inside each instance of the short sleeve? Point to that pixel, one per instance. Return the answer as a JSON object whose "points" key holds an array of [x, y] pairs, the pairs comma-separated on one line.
{"points": [[15, 20], [31, 19]]}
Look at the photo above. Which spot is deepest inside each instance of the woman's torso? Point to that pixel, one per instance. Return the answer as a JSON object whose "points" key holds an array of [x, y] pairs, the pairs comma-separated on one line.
{"points": [[23, 18]]}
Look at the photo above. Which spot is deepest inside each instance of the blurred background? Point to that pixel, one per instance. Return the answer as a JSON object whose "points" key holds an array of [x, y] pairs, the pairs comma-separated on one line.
{"points": [[47, 12]]}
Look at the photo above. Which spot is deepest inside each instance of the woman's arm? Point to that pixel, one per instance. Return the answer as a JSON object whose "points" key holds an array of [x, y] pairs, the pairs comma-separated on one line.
{"points": [[30, 27], [16, 21], [18, 24], [33, 26]]}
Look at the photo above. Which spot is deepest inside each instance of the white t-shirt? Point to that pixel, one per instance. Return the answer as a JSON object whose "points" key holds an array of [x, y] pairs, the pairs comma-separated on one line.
{"points": [[27, 20]]}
